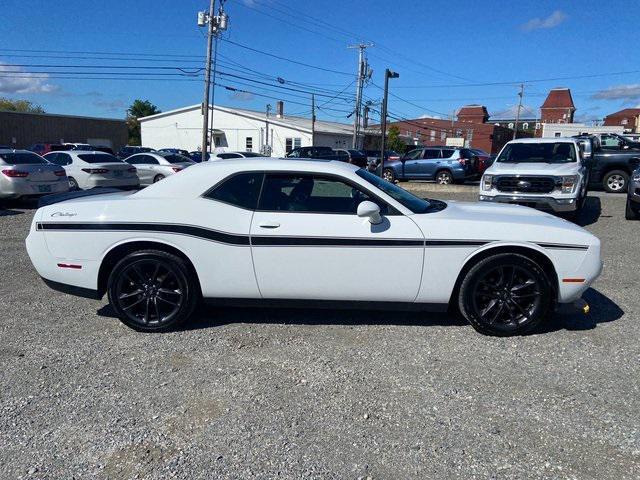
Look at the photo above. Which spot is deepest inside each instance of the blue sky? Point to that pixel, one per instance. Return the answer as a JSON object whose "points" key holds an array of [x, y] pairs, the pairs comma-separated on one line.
{"points": [[441, 48]]}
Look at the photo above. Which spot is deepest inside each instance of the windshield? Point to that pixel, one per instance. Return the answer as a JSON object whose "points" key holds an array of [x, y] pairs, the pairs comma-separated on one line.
{"points": [[413, 203], [98, 158], [22, 158], [557, 152]]}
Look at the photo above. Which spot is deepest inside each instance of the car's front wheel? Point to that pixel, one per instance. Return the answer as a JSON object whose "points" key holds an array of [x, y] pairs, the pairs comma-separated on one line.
{"points": [[505, 294], [153, 291], [616, 181]]}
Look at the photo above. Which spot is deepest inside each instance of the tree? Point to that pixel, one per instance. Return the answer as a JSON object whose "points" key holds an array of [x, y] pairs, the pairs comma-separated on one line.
{"points": [[25, 106], [394, 142], [138, 109]]}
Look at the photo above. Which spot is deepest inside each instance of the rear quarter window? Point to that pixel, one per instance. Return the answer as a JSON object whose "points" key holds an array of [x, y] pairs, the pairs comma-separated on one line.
{"points": [[240, 190]]}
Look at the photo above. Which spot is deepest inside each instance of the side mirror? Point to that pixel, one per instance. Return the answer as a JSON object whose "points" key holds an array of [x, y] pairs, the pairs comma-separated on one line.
{"points": [[370, 210]]}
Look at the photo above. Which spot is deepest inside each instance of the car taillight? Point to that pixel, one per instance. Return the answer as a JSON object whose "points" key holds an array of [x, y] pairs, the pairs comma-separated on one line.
{"points": [[132, 170], [15, 173], [176, 169], [95, 170], [59, 173], [394, 158]]}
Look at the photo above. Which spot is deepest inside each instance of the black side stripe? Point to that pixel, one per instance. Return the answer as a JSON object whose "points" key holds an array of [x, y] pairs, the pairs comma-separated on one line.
{"points": [[268, 240]]}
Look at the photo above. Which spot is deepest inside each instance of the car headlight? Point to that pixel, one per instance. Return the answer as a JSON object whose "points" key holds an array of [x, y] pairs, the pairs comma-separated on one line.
{"points": [[487, 183], [569, 184]]}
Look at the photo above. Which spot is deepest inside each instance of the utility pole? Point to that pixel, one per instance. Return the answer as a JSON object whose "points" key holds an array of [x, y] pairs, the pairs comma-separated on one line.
{"points": [[215, 24], [267, 145], [383, 120], [313, 119], [363, 71], [520, 94]]}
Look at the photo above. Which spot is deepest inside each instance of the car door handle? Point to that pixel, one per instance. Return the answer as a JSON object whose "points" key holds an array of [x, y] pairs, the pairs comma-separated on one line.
{"points": [[269, 225]]}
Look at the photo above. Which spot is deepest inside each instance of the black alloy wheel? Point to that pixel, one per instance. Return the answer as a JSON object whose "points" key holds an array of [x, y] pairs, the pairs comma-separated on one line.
{"points": [[157, 178], [388, 175], [506, 294], [152, 291]]}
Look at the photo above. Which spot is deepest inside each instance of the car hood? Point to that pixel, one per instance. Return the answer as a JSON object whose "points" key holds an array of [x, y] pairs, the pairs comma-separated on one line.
{"points": [[500, 222], [539, 168]]}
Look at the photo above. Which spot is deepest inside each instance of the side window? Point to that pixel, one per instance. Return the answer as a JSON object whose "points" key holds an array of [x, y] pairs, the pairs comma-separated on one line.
{"points": [[311, 193], [430, 153], [447, 153], [63, 159], [413, 155], [134, 160], [149, 160], [240, 190], [52, 157]]}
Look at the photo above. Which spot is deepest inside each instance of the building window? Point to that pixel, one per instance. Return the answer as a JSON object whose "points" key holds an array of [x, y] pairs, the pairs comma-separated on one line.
{"points": [[624, 121], [249, 144], [443, 135], [557, 134], [432, 135], [525, 126], [538, 126], [297, 142], [288, 145]]}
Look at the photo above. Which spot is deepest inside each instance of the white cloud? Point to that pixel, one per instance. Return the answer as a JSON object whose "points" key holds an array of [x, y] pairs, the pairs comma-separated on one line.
{"points": [[552, 21], [116, 105], [15, 80], [243, 96], [621, 92]]}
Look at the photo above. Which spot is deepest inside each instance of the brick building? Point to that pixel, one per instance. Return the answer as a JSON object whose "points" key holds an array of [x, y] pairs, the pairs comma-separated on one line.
{"points": [[558, 107], [629, 119]]}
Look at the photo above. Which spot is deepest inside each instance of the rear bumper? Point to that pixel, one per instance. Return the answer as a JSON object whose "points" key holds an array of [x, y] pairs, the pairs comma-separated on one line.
{"points": [[113, 182], [31, 189], [538, 202], [72, 289]]}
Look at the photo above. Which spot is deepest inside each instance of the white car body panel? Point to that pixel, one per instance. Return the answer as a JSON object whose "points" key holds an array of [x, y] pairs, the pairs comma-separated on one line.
{"points": [[234, 257], [118, 174]]}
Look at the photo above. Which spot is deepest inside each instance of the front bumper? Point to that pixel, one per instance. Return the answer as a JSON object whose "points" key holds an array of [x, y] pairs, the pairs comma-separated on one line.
{"points": [[538, 202]]}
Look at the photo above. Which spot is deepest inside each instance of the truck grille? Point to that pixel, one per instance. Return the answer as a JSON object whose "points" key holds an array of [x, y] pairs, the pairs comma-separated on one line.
{"points": [[526, 184]]}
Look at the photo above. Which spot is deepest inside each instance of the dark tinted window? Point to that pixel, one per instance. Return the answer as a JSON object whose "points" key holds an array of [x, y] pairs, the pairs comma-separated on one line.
{"points": [[413, 154], [21, 158], [225, 156], [252, 154], [174, 158], [447, 153], [311, 193], [241, 190], [544, 152], [413, 203], [98, 158], [430, 153]]}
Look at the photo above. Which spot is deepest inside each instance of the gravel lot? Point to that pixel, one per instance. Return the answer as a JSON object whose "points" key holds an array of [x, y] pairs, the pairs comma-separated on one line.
{"points": [[251, 393]]}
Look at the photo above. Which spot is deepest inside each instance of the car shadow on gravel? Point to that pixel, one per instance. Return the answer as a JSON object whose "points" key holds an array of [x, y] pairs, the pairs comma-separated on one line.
{"points": [[590, 212], [7, 212], [602, 310]]}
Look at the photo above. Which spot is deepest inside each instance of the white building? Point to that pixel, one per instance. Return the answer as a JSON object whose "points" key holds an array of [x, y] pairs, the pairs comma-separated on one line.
{"points": [[571, 129], [237, 129]]}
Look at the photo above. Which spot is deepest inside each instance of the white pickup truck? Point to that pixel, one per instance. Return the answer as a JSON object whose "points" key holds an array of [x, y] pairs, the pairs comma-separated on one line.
{"points": [[544, 173]]}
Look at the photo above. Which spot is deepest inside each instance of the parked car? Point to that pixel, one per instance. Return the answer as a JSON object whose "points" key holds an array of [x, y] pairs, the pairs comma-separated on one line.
{"points": [[90, 169], [179, 151], [445, 165], [196, 156], [326, 153], [43, 148], [355, 157], [484, 160], [632, 211], [543, 173], [129, 150], [373, 158], [242, 232], [155, 166], [25, 174], [227, 155], [102, 148], [85, 147]]}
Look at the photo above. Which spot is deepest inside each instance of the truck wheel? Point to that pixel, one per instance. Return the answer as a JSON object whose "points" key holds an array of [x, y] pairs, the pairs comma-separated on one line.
{"points": [[444, 177], [505, 294], [616, 181], [388, 175], [630, 212]]}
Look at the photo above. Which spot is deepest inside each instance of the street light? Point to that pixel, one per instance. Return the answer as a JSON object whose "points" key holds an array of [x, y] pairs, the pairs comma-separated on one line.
{"points": [[387, 75]]}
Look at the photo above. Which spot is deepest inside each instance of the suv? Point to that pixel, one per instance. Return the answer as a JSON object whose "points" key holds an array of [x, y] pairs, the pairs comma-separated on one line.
{"points": [[355, 157], [129, 150], [544, 173], [445, 165], [633, 195], [313, 152]]}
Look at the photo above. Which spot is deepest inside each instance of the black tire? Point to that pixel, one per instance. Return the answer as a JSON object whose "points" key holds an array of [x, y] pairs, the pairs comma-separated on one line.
{"points": [[443, 177], [389, 175], [505, 294], [157, 178], [616, 181], [153, 291], [73, 184], [631, 212]]}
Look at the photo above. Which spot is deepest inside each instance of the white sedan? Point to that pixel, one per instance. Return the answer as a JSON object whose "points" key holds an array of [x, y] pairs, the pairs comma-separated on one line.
{"points": [[309, 233], [90, 169]]}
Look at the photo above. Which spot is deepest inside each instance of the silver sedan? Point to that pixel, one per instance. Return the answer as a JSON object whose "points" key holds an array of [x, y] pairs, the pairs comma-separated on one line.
{"points": [[26, 174], [154, 166]]}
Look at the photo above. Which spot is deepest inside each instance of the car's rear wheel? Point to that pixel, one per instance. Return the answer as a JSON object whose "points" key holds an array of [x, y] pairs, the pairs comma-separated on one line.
{"points": [[631, 212], [388, 175], [153, 291], [73, 185], [505, 294], [157, 178], [616, 181], [444, 177]]}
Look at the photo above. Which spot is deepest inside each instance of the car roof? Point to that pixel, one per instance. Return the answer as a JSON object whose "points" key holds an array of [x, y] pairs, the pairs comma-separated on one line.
{"points": [[545, 140]]}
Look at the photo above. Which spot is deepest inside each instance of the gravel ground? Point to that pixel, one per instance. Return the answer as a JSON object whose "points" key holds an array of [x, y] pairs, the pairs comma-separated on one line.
{"points": [[251, 393]]}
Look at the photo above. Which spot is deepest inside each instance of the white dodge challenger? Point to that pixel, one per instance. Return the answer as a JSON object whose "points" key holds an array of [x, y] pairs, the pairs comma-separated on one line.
{"points": [[310, 233]]}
